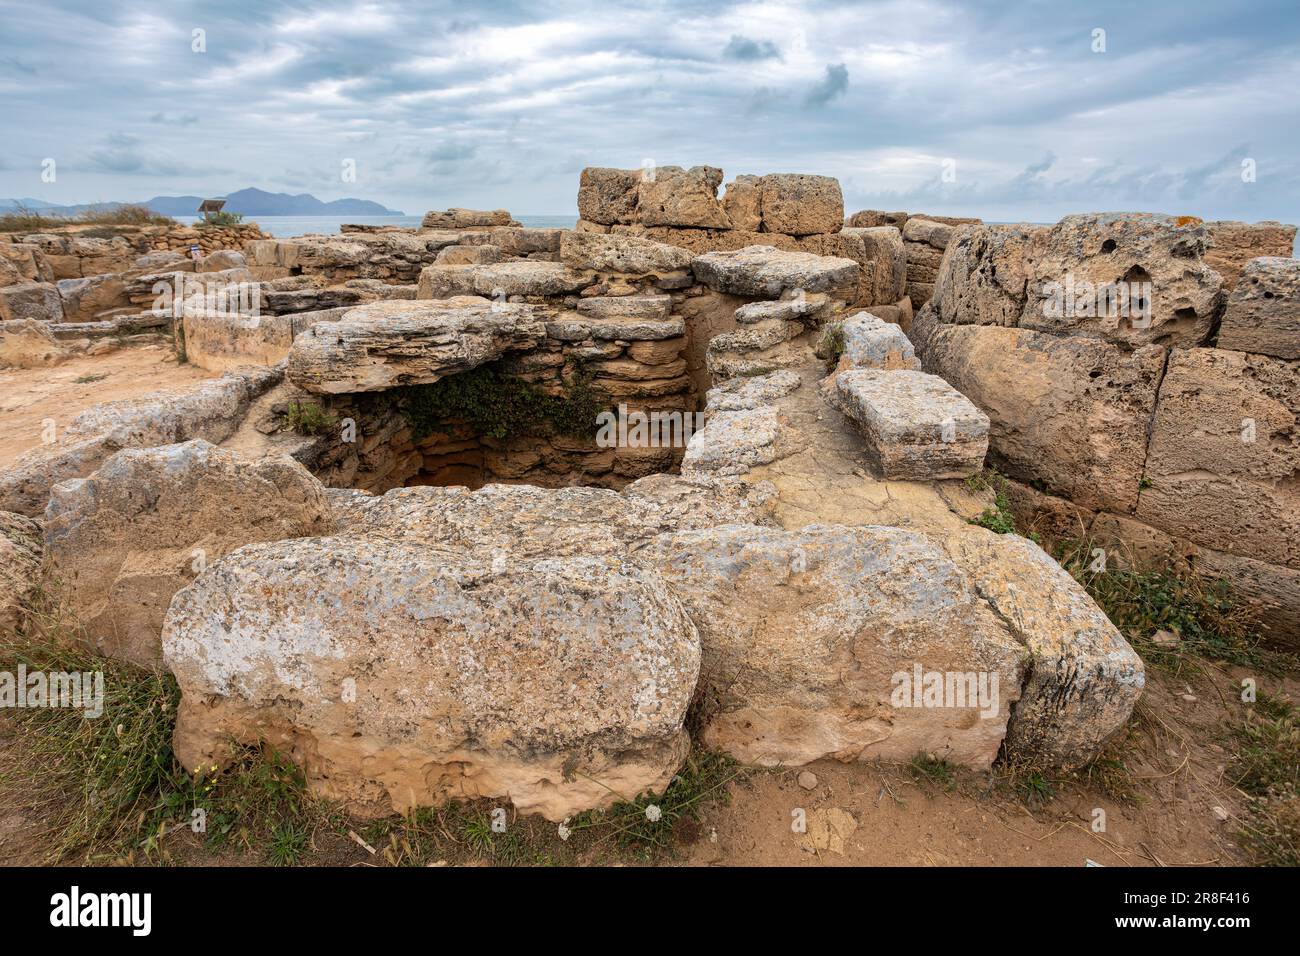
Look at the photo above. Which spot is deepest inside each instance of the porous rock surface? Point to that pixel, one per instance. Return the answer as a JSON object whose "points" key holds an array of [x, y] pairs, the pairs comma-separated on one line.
{"points": [[125, 539], [386, 344]]}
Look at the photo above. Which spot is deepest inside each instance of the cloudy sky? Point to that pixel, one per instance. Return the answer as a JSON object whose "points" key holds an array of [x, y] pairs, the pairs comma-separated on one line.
{"points": [[1006, 110]]}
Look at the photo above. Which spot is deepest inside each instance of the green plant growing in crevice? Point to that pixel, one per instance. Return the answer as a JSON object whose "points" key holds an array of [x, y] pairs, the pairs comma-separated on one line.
{"points": [[308, 418], [997, 518], [501, 405], [832, 344], [1203, 613]]}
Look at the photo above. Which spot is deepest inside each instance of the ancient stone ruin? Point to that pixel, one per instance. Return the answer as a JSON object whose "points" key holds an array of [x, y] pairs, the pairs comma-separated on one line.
{"points": [[483, 510]]}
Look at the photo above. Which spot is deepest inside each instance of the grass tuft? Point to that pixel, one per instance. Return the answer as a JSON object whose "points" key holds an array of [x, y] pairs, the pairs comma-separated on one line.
{"points": [[1267, 770]]}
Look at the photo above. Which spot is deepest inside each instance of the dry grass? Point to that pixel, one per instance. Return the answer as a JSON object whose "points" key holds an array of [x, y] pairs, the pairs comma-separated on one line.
{"points": [[23, 219]]}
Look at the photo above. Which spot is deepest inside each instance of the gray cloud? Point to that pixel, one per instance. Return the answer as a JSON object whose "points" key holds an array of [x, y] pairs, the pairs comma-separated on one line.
{"points": [[743, 48], [835, 83]]}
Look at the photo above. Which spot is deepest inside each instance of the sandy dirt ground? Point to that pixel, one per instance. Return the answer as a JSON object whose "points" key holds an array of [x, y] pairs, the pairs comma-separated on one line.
{"points": [[28, 397], [1159, 811]]}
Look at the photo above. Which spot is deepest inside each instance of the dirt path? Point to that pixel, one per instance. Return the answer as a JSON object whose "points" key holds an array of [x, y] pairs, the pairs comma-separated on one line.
{"points": [[28, 397]]}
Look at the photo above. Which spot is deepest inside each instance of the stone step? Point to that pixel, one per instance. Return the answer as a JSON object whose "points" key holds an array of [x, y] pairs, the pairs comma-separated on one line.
{"points": [[916, 426], [869, 342], [794, 354], [754, 338]]}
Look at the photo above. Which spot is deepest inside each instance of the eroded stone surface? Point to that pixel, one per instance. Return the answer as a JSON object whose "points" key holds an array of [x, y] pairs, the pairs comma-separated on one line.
{"points": [[916, 426], [803, 632], [765, 271], [212, 410], [124, 540], [21, 550], [1083, 677], [1263, 314], [558, 683], [387, 344]]}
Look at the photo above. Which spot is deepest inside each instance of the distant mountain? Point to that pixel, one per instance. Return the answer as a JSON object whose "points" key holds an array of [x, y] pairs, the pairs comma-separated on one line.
{"points": [[250, 202]]}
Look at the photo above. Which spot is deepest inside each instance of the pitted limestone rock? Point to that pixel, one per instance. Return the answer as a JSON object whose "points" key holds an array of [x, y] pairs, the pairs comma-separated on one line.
{"points": [[804, 632], [124, 540], [870, 342], [766, 272], [622, 255], [558, 683], [386, 344], [916, 426], [1263, 314]]}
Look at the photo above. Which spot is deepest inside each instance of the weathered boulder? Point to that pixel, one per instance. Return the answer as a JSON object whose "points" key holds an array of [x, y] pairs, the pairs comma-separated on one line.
{"points": [[525, 521], [733, 442], [916, 426], [886, 256], [809, 636], [221, 260], [468, 255], [799, 205], [607, 196], [124, 540], [211, 410], [26, 343], [457, 218], [626, 255], [1263, 313], [558, 683], [20, 568], [31, 300], [499, 280], [872, 343], [743, 394], [226, 340], [1224, 454], [84, 299], [386, 344], [1083, 679], [1097, 274], [743, 203], [766, 272], [796, 306], [1233, 244], [673, 196], [1068, 413], [985, 275]]}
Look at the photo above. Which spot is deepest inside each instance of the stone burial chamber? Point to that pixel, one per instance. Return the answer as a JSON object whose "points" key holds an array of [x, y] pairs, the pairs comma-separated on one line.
{"points": [[395, 542]]}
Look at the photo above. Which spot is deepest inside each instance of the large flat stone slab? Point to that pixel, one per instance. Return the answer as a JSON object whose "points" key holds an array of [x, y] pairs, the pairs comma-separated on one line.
{"points": [[500, 280], [916, 426], [624, 255], [766, 272], [1069, 413], [386, 344]]}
